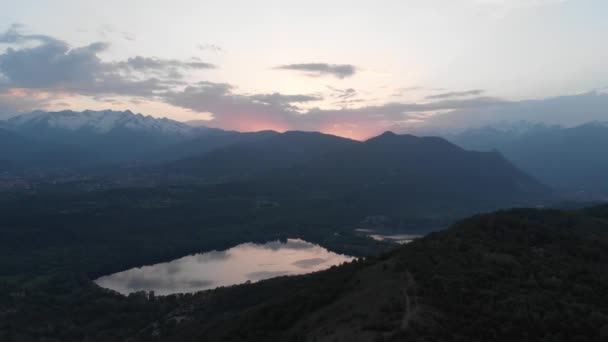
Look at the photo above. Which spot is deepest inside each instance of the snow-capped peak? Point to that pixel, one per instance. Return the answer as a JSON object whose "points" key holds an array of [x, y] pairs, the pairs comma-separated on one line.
{"points": [[100, 121], [513, 128]]}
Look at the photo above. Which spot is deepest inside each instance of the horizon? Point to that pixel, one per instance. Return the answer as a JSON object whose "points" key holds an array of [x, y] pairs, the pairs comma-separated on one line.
{"points": [[424, 132]]}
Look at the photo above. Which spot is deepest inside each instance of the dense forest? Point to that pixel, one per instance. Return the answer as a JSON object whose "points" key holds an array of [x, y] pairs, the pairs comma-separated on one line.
{"points": [[522, 274]]}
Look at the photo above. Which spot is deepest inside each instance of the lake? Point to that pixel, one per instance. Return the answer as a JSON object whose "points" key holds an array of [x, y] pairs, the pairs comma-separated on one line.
{"points": [[246, 262], [396, 238]]}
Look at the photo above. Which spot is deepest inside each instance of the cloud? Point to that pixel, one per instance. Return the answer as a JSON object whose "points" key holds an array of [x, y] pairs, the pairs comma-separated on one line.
{"points": [[474, 92], [51, 63], [14, 36], [37, 70], [281, 100], [151, 63], [344, 97], [322, 69], [567, 111], [54, 65], [421, 118], [15, 101], [237, 111], [231, 110]]}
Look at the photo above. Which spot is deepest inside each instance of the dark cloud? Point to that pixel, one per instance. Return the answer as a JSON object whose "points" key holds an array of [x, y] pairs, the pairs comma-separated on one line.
{"points": [[140, 63], [568, 111], [53, 65], [278, 99], [344, 97], [50, 64], [293, 244], [14, 36], [322, 69], [386, 113], [342, 94], [474, 92]]}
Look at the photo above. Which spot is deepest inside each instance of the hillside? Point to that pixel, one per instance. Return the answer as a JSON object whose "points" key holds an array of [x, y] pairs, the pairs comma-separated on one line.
{"points": [[252, 157], [404, 173], [510, 275], [517, 275]]}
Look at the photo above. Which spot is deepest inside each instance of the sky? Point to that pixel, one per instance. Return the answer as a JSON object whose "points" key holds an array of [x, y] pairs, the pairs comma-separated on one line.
{"points": [[351, 68]]}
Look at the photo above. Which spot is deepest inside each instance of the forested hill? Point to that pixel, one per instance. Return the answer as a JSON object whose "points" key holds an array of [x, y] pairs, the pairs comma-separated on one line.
{"points": [[518, 275]]}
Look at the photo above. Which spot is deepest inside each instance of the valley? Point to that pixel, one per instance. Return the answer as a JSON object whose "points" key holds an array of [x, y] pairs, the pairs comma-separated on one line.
{"points": [[217, 243]]}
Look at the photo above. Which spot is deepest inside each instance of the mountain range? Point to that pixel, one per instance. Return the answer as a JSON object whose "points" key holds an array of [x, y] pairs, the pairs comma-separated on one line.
{"points": [[572, 159], [404, 173], [393, 175], [74, 139], [69, 139]]}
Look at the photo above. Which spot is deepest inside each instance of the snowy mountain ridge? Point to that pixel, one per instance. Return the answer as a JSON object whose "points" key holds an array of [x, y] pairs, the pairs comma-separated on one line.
{"points": [[100, 122]]}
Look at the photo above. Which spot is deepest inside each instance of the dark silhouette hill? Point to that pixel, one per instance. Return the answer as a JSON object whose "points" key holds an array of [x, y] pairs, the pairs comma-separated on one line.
{"points": [[402, 172], [255, 156]]}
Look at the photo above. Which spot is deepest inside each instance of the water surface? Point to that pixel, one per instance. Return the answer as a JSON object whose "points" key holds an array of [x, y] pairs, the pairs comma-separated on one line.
{"points": [[397, 238], [242, 263]]}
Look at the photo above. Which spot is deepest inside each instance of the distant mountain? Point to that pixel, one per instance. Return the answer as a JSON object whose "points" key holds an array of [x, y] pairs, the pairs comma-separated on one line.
{"points": [[262, 152], [74, 139], [404, 173], [197, 123], [566, 158], [212, 139], [98, 122], [12, 145], [400, 175], [487, 138]]}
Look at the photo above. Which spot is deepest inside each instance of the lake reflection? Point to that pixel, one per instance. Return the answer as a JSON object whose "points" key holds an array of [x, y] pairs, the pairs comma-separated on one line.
{"points": [[398, 238], [242, 263]]}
